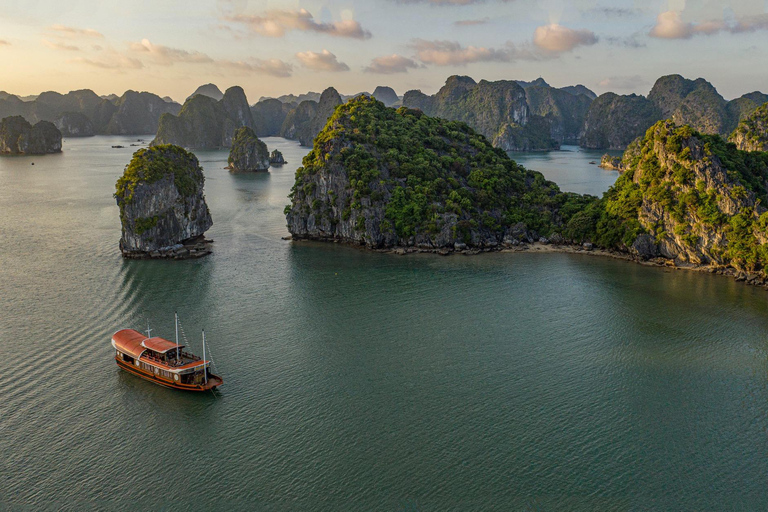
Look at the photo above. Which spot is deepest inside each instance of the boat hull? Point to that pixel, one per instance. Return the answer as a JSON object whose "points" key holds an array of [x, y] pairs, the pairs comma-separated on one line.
{"points": [[214, 382]]}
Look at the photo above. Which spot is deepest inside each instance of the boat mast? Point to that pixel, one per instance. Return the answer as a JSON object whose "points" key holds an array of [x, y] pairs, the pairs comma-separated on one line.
{"points": [[205, 370], [176, 315], [149, 331]]}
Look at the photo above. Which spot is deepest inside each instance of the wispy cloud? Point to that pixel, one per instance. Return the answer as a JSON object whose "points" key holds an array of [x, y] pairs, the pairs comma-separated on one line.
{"points": [[470, 23], [3, 42], [112, 61], [60, 46], [76, 32], [670, 25], [451, 53], [277, 22], [271, 67], [633, 41], [557, 39], [390, 64], [323, 61], [168, 56]]}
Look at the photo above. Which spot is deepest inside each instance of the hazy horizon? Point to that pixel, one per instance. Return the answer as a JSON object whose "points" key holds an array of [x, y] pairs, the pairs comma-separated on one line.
{"points": [[271, 48]]}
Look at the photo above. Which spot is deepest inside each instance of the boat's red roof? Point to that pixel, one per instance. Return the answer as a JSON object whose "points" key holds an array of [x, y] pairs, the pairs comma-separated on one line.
{"points": [[129, 341], [160, 345]]}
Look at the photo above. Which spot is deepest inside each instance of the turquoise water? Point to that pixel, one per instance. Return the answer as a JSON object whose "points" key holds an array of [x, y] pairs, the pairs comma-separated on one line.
{"points": [[360, 381]]}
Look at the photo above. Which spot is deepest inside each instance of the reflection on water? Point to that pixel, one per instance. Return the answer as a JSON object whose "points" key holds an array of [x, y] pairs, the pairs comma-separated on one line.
{"points": [[357, 380]]}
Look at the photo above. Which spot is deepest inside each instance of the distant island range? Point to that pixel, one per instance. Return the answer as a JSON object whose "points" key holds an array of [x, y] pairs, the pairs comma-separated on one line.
{"points": [[513, 115]]}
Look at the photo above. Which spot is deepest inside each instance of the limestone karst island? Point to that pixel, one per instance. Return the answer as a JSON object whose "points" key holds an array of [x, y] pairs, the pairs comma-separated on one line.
{"points": [[423, 255]]}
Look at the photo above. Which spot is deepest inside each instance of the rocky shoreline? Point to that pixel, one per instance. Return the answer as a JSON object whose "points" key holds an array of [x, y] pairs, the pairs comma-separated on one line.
{"points": [[188, 249], [753, 279]]}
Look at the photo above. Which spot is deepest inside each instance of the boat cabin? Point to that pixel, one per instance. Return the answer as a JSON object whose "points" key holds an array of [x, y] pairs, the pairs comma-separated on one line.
{"points": [[161, 360]]}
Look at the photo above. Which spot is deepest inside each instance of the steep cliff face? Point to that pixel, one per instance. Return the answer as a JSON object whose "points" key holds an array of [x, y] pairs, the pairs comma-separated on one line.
{"points": [[752, 132], [613, 121], [162, 207], [693, 102], [138, 113], [74, 124], [388, 178], [205, 123], [268, 117], [564, 111], [306, 121], [690, 198], [528, 117], [248, 153], [17, 137]]}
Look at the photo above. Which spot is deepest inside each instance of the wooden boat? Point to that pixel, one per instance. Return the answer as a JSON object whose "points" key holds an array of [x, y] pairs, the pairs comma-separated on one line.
{"points": [[163, 362]]}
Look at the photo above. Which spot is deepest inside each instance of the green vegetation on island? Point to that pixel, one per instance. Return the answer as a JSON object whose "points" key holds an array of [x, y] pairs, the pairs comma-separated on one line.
{"points": [[386, 178], [162, 206], [752, 132]]}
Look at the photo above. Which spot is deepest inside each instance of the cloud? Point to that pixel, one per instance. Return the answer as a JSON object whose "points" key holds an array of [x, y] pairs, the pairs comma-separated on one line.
{"points": [[272, 67], [451, 53], [632, 82], [113, 61], [323, 61], [276, 23], [169, 56], [390, 64], [76, 32], [3, 42], [556, 38], [670, 25], [60, 46], [469, 23]]}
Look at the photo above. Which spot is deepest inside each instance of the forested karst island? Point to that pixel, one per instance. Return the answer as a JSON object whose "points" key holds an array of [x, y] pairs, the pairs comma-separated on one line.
{"points": [[163, 212], [386, 179]]}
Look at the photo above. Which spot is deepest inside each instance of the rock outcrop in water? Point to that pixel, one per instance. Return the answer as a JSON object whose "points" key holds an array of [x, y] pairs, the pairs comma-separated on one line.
{"points": [[205, 123], [248, 153], [162, 207], [612, 163], [74, 124], [276, 158], [752, 133], [18, 137], [388, 178]]}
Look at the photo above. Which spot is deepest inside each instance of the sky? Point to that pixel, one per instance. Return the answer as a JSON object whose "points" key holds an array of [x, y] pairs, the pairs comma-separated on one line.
{"points": [[275, 47]]}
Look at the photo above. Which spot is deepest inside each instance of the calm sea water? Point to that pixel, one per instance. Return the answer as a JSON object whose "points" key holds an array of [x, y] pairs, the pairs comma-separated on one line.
{"points": [[357, 381]]}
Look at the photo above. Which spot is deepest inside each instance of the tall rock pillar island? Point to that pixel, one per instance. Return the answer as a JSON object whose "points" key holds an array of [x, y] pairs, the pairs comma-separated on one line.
{"points": [[162, 207]]}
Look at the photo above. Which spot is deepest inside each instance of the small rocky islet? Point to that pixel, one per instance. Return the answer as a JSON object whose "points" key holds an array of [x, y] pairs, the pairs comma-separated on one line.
{"points": [[248, 153], [399, 180], [163, 212]]}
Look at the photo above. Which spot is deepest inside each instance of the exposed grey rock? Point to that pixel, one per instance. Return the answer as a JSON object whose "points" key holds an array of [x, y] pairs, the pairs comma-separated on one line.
{"points": [[17, 136], [276, 158], [248, 153], [74, 124], [162, 206]]}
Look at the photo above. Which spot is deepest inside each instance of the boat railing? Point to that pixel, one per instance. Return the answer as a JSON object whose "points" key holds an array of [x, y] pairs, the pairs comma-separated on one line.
{"points": [[184, 358]]}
